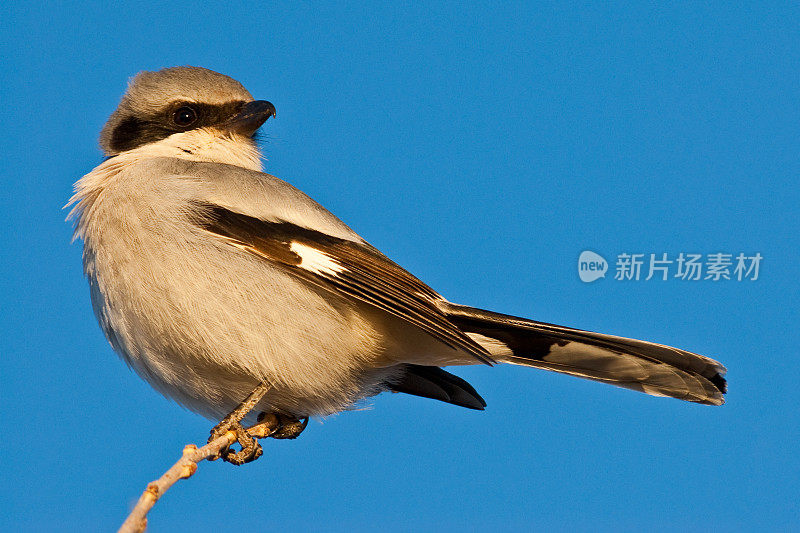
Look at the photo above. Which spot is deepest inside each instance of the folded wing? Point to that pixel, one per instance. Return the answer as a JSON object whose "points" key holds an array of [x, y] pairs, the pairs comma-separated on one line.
{"points": [[344, 266]]}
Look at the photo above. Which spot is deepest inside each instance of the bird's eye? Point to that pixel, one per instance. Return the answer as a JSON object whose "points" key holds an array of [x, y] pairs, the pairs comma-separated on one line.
{"points": [[184, 116]]}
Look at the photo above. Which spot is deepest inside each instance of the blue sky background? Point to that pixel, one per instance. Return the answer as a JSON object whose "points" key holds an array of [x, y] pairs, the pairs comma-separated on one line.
{"points": [[483, 148]]}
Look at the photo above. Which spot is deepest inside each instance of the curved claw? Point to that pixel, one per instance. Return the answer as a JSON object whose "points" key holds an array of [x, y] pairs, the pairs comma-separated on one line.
{"points": [[290, 427], [251, 449]]}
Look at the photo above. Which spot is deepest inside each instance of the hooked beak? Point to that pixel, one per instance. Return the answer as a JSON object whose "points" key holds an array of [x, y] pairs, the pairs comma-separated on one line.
{"points": [[250, 117]]}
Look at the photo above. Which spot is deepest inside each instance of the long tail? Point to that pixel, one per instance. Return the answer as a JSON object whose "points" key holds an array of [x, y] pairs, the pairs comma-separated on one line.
{"points": [[643, 366]]}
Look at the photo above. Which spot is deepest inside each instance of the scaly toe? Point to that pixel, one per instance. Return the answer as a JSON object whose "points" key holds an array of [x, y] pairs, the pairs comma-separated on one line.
{"points": [[251, 449], [248, 453], [290, 427]]}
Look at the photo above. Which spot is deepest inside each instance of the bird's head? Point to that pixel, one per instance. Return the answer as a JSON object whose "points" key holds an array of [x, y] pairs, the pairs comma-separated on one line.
{"points": [[188, 112]]}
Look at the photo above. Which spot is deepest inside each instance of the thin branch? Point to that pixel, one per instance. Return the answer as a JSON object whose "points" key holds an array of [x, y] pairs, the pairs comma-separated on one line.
{"points": [[185, 467]]}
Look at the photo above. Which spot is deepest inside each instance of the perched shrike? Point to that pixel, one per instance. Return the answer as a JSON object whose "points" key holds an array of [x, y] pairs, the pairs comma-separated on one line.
{"points": [[213, 280]]}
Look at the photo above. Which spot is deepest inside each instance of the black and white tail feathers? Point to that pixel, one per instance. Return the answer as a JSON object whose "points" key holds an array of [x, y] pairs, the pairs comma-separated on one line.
{"points": [[646, 367]]}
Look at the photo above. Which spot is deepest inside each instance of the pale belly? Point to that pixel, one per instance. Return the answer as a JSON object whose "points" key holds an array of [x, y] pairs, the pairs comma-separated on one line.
{"points": [[207, 334]]}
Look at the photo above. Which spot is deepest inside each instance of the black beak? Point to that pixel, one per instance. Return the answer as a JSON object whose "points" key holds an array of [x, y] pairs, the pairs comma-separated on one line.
{"points": [[250, 117]]}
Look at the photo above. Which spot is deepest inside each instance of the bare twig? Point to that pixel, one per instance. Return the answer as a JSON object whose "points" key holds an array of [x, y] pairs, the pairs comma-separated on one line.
{"points": [[185, 467]]}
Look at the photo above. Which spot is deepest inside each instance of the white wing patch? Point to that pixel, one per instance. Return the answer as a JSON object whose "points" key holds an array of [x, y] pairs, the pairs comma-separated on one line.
{"points": [[493, 346], [314, 260]]}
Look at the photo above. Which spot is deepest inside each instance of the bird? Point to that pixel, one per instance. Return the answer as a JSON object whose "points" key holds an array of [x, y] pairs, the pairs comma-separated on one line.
{"points": [[232, 292]]}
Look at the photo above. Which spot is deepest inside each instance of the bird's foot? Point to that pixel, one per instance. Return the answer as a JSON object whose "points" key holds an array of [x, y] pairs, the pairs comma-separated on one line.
{"points": [[251, 449], [289, 427], [275, 425]]}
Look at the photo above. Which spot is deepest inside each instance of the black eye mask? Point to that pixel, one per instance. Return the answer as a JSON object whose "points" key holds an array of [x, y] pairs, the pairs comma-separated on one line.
{"points": [[134, 131]]}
